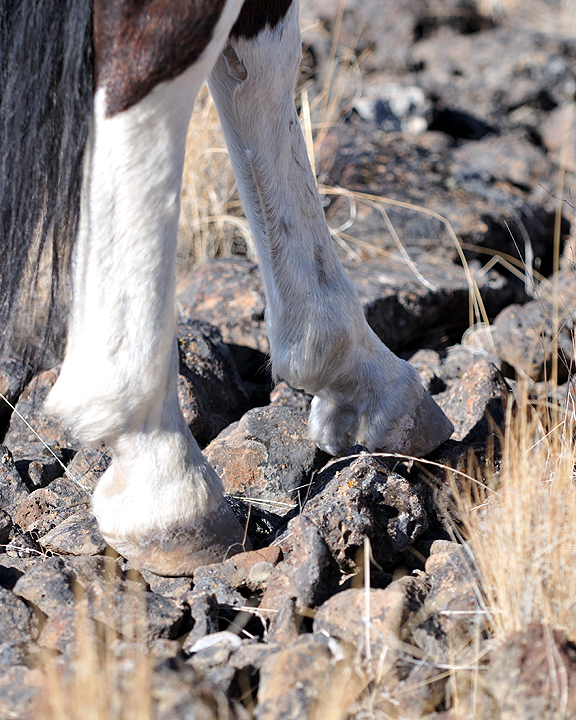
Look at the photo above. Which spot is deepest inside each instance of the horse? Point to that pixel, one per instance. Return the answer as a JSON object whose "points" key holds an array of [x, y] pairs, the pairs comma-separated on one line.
{"points": [[96, 97]]}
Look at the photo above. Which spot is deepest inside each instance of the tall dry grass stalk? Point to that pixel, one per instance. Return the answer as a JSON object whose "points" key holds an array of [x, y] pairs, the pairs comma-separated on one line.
{"points": [[108, 675], [521, 531], [211, 220]]}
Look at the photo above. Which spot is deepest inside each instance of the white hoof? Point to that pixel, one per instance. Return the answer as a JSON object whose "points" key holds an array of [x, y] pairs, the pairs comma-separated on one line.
{"points": [[178, 550], [382, 413]]}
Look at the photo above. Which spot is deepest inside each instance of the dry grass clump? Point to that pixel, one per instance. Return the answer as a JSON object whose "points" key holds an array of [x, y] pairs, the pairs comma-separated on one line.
{"points": [[522, 533], [211, 220]]}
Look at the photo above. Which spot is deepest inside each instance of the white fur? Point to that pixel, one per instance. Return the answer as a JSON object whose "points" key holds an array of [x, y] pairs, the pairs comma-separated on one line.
{"points": [[118, 380]]}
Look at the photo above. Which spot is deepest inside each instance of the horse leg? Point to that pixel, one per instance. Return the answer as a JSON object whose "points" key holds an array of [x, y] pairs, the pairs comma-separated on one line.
{"points": [[319, 338], [160, 503]]}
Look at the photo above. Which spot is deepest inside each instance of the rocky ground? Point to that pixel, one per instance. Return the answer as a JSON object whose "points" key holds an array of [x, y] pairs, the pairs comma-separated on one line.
{"points": [[467, 115]]}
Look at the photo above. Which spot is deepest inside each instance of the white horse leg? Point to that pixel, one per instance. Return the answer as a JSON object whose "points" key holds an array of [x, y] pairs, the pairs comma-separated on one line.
{"points": [[319, 338], [160, 503]]}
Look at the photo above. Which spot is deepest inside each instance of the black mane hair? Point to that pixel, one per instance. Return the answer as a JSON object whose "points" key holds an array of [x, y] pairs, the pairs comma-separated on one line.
{"points": [[46, 96]]}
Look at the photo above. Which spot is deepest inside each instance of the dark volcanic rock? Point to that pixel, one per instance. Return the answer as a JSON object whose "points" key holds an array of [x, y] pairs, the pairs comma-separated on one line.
{"points": [[297, 678], [453, 619], [48, 585], [422, 171], [238, 577], [476, 403], [362, 498], [304, 580], [526, 339], [400, 307], [17, 621], [210, 391], [46, 508], [265, 455], [76, 535], [13, 490], [229, 294], [24, 443], [87, 466], [13, 377], [343, 616]]}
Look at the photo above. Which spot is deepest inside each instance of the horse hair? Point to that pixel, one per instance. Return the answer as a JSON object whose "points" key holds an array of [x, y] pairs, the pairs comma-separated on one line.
{"points": [[46, 96]]}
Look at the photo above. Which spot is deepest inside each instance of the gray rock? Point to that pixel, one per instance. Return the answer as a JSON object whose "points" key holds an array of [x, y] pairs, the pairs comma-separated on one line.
{"points": [[399, 306], [13, 489], [14, 375], [476, 403], [210, 391], [88, 465], [204, 614], [454, 623], [265, 456], [19, 686], [304, 580], [297, 678], [17, 621], [391, 613], [24, 443], [525, 338], [76, 535], [361, 498], [232, 581], [48, 585], [46, 508], [5, 528]]}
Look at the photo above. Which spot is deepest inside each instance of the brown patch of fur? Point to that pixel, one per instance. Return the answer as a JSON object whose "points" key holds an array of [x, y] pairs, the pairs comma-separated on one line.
{"points": [[140, 43]]}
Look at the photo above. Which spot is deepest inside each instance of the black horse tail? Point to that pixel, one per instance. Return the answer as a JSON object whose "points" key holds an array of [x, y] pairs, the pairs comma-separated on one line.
{"points": [[46, 96]]}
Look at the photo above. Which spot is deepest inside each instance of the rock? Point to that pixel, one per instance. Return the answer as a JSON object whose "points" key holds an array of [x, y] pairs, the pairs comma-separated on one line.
{"points": [[40, 472], [17, 621], [298, 678], [5, 528], [182, 694], [360, 498], [47, 585], [46, 508], [229, 294], [559, 135], [522, 675], [399, 307], [341, 616], [172, 587], [304, 580], [427, 365], [14, 375], [525, 338], [286, 395], [24, 443], [511, 158], [453, 620], [476, 403], [394, 106], [422, 171], [204, 614], [13, 490], [213, 650], [210, 391], [19, 686], [88, 465], [11, 569], [234, 580], [77, 535], [265, 456]]}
